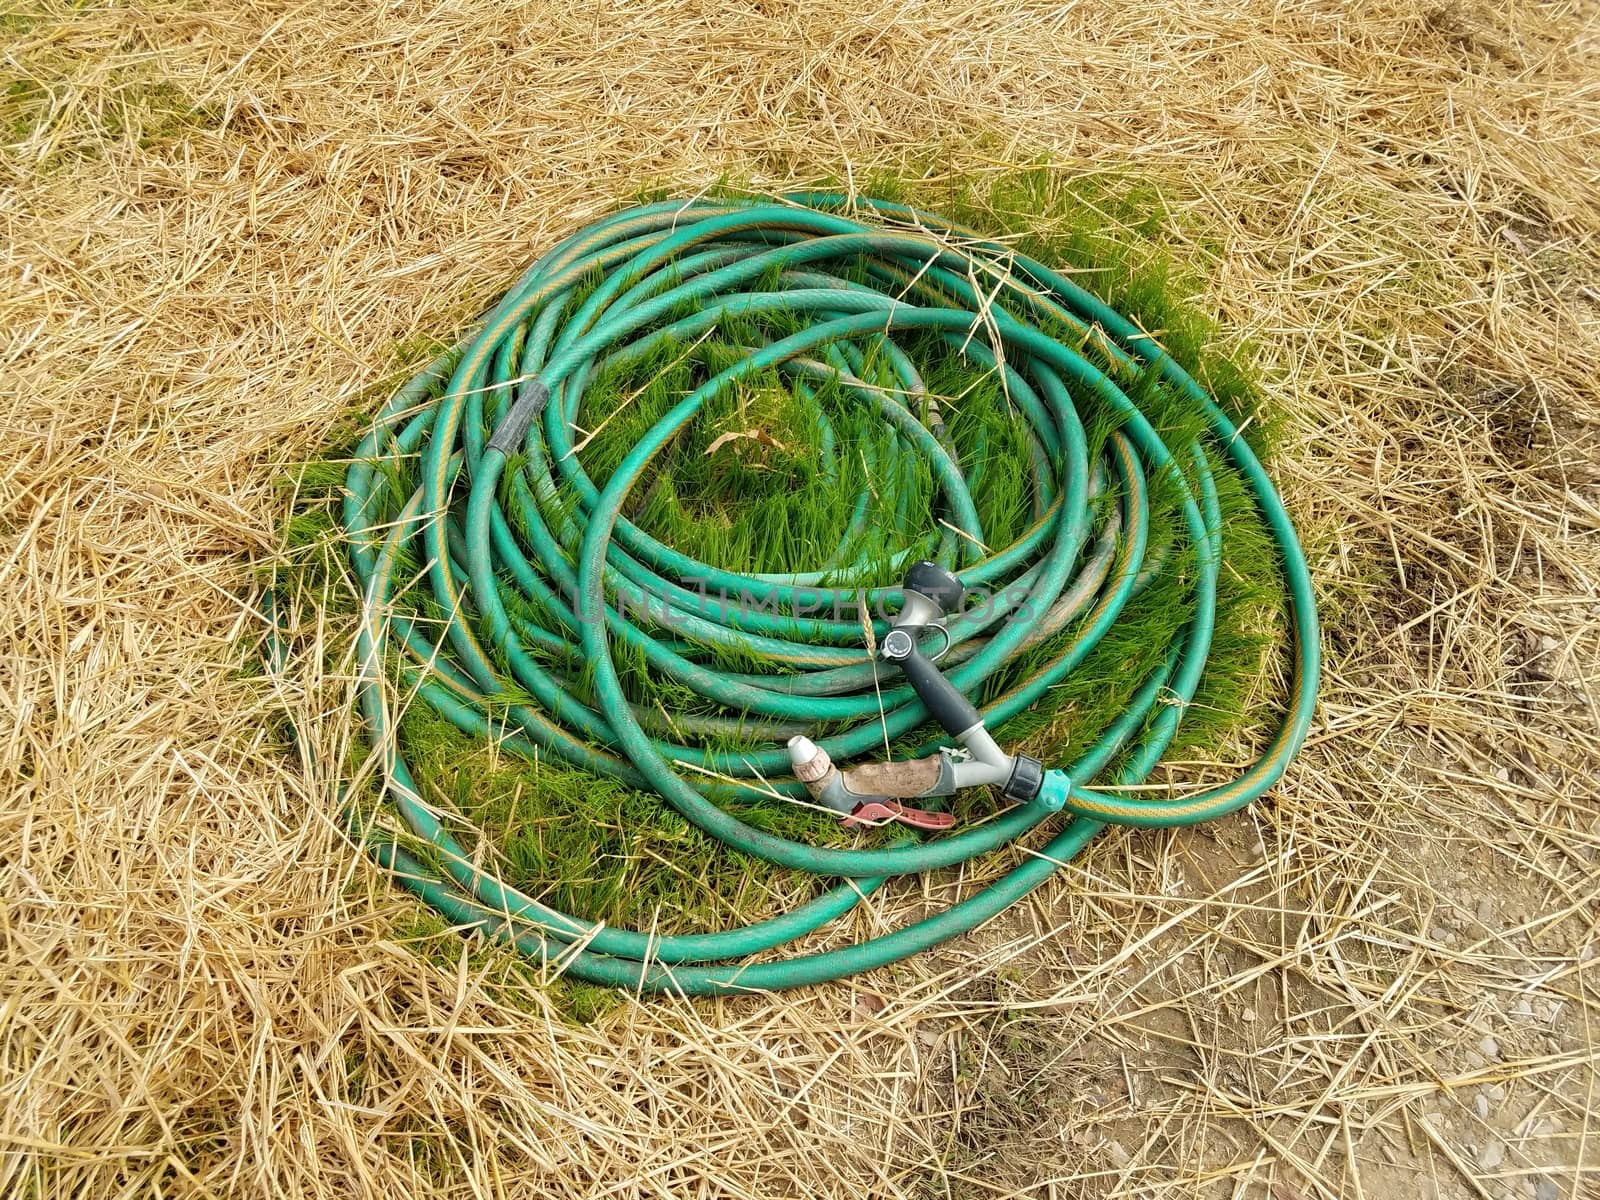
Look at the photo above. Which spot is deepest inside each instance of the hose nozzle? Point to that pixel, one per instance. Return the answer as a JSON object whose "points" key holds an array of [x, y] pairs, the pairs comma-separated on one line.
{"points": [[883, 786], [810, 762]]}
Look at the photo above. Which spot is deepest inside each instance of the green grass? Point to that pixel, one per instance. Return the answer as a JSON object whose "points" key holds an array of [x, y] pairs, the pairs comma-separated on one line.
{"points": [[43, 95], [772, 497]]}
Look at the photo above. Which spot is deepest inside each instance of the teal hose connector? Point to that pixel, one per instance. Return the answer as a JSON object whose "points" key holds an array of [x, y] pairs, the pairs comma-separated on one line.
{"points": [[1053, 795]]}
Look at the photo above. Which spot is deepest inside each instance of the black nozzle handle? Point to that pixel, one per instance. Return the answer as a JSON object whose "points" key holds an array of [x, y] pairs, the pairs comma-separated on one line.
{"points": [[948, 706]]}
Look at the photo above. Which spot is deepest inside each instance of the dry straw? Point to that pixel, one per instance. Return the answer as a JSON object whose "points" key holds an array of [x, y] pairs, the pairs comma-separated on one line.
{"points": [[215, 223]]}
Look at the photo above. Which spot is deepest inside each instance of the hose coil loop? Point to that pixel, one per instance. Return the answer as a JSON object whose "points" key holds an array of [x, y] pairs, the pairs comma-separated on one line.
{"points": [[541, 577]]}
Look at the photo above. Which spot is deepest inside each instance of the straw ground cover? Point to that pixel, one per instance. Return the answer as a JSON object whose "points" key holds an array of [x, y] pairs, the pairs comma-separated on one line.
{"points": [[218, 224]]}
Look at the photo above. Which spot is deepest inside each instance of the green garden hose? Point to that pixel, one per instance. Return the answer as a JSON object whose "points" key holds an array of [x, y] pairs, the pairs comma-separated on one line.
{"points": [[471, 481]]}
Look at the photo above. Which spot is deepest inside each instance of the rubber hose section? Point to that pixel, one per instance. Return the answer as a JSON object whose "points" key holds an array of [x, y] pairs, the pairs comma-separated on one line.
{"points": [[469, 489]]}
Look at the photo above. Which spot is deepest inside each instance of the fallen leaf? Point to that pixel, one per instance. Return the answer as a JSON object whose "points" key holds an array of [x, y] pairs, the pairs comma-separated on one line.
{"points": [[760, 436], [870, 1004]]}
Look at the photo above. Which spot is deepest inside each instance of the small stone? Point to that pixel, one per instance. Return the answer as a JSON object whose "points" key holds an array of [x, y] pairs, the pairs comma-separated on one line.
{"points": [[1436, 1119], [1485, 911], [1117, 1155], [1551, 1013], [1491, 1155], [1503, 775], [1482, 1105], [1490, 1049], [1587, 953], [1546, 1189], [1521, 1009], [1249, 1014], [1259, 849], [1496, 1092]]}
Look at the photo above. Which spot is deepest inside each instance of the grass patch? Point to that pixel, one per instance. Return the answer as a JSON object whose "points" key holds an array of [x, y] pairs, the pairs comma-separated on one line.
{"points": [[774, 476], [54, 114]]}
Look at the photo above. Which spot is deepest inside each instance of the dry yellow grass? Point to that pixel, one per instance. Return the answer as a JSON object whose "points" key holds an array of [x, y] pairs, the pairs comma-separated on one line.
{"points": [[217, 221]]}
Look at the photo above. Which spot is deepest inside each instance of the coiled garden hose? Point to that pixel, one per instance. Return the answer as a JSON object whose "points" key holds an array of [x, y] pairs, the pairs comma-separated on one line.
{"points": [[472, 478]]}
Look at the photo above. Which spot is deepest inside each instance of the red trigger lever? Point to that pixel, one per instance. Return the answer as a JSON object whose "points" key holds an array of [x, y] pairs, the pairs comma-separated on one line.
{"points": [[881, 812]]}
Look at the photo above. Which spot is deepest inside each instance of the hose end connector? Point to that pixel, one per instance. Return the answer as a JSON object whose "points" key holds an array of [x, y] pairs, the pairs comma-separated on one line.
{"points": [[1025, 781], [1053, 792]]}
